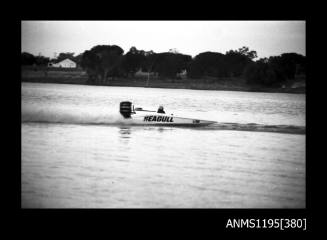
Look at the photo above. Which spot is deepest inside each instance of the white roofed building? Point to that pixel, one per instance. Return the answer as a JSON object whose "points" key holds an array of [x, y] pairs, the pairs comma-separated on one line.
{"points": [[67, 63]]}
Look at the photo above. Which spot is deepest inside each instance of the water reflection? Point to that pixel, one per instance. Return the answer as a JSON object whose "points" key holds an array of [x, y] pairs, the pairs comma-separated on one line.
{"points": [[125, 132], [161, 129]]}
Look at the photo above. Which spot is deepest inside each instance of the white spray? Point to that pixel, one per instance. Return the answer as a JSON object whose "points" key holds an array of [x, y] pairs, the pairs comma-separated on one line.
{"points": [[70, 114]]}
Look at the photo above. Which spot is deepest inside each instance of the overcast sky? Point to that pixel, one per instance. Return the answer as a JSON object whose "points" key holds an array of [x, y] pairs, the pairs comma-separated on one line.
{"points": [[268, 38]]}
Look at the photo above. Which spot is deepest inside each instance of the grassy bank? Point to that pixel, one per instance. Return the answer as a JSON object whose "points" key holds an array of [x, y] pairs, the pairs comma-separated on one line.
{"points": [[48, 75]]}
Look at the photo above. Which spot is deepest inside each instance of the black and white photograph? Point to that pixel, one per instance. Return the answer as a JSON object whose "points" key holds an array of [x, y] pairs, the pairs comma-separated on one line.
{"points": [[163, 114]]}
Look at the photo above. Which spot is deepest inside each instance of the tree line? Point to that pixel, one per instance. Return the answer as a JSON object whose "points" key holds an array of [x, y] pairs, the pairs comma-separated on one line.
{"points": [[30, 59], [105, 62]]}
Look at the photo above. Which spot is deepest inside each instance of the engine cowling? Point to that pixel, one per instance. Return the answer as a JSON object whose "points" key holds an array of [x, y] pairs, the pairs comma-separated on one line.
{"points": [[125, 109]]}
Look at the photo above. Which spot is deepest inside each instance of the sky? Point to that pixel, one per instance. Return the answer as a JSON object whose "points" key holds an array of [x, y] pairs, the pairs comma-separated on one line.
{"points": [[268, 38]]}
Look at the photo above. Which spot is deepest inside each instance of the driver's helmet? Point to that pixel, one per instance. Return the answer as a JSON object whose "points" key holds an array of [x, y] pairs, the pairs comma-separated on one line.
{"points": [[161, 108]]}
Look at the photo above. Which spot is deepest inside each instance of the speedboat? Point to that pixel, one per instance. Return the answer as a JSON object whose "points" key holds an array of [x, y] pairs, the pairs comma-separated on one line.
{"points": [[140, 116]]}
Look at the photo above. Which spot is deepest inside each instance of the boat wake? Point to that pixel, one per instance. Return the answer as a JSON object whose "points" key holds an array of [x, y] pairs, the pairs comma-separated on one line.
{"points": [[257, 127], [102, 116], [70, 115]]}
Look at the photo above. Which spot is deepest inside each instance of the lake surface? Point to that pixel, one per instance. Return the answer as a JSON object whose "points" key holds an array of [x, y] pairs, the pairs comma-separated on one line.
{"points": [[77, 154]]}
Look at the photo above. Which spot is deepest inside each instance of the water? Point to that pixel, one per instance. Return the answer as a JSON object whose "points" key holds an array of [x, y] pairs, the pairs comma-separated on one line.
{"points": [[76, 154]]}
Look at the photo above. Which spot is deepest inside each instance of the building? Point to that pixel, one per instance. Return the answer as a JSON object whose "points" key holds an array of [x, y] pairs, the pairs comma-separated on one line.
{"points": [[67, 63], [183, 74]]}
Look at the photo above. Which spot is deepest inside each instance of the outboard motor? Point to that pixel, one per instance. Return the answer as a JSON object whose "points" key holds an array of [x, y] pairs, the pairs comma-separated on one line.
{"points": [[125, 109]]}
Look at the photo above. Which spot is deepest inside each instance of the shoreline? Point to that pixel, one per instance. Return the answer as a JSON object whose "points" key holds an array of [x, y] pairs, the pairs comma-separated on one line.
{"points": [[78, 76], [170, 85]]}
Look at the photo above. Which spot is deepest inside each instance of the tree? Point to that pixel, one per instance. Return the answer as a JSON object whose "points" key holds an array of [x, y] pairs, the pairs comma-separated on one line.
{"points": [[91, 63], [133, 60], [210, 64], [273, 71], [149, 63], [194, 69], [27, 58], [168, 64], [102, 61], [41, 60], [237, 60], [286, 64], [110, 58], [246, 52], [78, 59], [260, 73], [215, 64]]}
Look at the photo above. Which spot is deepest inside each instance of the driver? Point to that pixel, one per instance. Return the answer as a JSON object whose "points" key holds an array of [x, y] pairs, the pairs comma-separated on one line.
{"points": [[160, 109]]}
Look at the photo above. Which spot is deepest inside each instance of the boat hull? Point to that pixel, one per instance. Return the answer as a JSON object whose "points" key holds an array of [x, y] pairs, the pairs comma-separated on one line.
{"points": [[165, 120]]}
